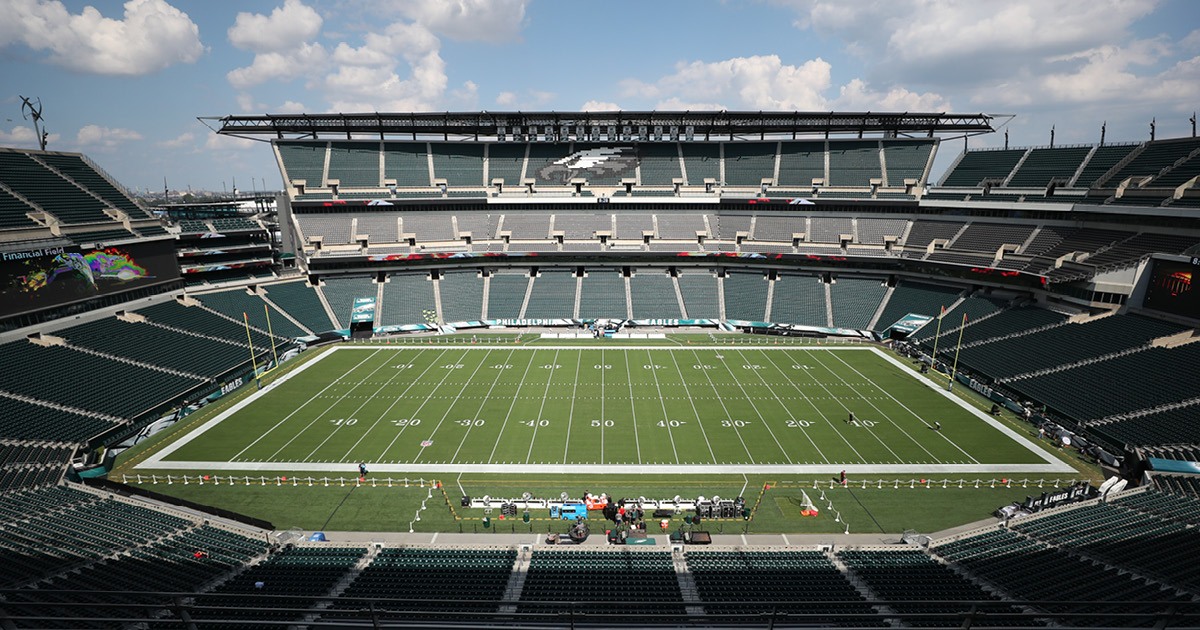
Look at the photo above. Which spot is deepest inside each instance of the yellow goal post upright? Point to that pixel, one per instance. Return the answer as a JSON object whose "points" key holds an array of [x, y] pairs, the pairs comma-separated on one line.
{"points": [[250, 341]]}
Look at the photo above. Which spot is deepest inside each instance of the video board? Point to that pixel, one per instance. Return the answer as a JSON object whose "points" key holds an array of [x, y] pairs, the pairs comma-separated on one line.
{"points": [[1172, 287], [42, 277]]}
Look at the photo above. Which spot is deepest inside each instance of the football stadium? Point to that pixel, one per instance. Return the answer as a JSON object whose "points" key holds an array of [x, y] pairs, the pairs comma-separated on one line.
{"points": [[550, 369]]}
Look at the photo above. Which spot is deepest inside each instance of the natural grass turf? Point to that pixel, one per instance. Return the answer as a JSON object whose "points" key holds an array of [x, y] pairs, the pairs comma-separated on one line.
{"points": [[886, 510], [611, 406]]}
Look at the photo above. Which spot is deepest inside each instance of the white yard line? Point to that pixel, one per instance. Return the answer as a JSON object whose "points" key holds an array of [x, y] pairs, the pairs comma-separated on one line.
{"points": [[761, 418], [906, 408], [602, 399], [663, 402], [785, 407], [993, 422], [287, 377], [354, 414], [242, 404], [728, 417], [817, 409], [542, 407], [571, 413], [457, 397], [688, 392], [391, 406], [821, 383], [333, 404], [882, 414], [421, 406], [637, 445], [510, 409], [481, 406]]}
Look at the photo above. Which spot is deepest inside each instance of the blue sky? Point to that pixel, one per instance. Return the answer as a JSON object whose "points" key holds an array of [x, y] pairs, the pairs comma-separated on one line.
{"points": [[124, 82]]}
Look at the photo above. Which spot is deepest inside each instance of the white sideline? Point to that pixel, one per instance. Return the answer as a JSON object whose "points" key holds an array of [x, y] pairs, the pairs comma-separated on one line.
{"points": [[157, 461], [996, 424]]}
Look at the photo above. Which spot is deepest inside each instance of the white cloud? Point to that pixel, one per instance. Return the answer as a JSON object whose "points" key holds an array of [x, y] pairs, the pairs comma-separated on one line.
{"points": [[278, 66], [151, 36], [524, 100], [218, 142], [600, 106], [184, 139], [25, 138], [282, 30], [759, 82], [506, 99], [103, 138], [366, 78], [858, 96], [465, 97], [468, 20], [291, 107]]}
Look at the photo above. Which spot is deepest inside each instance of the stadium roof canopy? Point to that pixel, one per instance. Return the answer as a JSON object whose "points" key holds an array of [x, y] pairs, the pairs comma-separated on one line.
{"points": [[699, 126]]}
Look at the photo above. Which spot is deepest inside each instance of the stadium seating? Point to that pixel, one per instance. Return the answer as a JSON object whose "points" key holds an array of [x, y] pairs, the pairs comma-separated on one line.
{"points": [[235, 303], [659, 164], [341, 291], [778, 228], [1046, 164], [700, 296], [745, 296], [918, 298], [291, 579], [800, 163], [829, 229], [701, 162], [506, 294], [583, 227], [300, 300], [506, 162], [925, 232], [1031, 570], [1103, 159], [988, 237], [406, 297], [727, 226], [855, 300], [630, 226], [799, 300], [1140, 246], [13, 212], [334, 228], [458, 164], [160, 346], [727, 580], [303, 161], [379, 227], [553, 295], [24, 420], [82, 173], [974, 308], [906, 160], [443, 580], [977, 165], [873, 231], [462, 296], [202, 322], [25, 464], [1141, 541], [1172, 426], [679, 226], [1063, 345], [235, 224], [643, 582], [526, 226], [1154, 157], [91, 383], [602, 294], [904, 575], [29, 178], [407, 163], [1148, 378], [854, 163], [653, 295], [747, 163]]}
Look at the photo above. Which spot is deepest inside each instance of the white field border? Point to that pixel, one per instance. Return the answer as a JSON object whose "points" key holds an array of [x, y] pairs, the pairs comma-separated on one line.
{"points": [[157, 460]]}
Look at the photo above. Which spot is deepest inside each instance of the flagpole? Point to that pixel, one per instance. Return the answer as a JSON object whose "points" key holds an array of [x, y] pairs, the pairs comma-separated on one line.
{"points": [[954, 370]]}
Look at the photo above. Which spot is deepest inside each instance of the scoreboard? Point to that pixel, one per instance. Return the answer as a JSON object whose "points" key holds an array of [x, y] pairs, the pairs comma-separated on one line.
{"points": [[1172, 287]]}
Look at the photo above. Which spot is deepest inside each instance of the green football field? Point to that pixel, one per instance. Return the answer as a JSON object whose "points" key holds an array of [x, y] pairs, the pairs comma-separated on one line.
{"points": [[625, 409]]}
